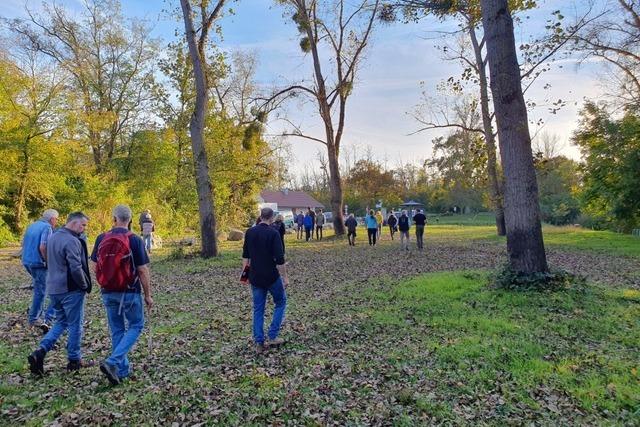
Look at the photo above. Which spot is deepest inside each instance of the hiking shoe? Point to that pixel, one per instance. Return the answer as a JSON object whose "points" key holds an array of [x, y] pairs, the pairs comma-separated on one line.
{"points": [[276, 342], [76, 365], [259, 348], [39, 324], [45, 328], [36, 362], [110, 372]]}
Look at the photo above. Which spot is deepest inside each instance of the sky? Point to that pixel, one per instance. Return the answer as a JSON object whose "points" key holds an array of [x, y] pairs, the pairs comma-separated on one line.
{"points": [[400, 64]]}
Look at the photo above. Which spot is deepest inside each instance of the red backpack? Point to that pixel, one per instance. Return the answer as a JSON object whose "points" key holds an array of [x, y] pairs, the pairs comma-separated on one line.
{"points": [[115, 269]]}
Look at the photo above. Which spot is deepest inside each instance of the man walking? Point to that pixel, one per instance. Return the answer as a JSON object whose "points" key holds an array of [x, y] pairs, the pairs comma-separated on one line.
{"points": [[420, 220], [320, 220], [403, 227], [312, 213], [148, 228], [380, 220], [68, 281], [262, 252], [122, 268], [352, 225], [308, 226], [392, 221], [372, 227], [34, 260], [300, 224]]}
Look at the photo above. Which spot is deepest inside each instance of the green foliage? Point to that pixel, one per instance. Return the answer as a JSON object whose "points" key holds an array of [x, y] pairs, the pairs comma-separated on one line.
{"points": [[611, 150], [552, 281], [558, 179]]}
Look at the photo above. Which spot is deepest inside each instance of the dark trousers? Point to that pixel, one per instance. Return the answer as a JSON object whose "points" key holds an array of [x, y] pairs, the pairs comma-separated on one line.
{"points": [[391, 231], [351, 235], [372, 232], [307, 231], [419, 234], [318, 232]]}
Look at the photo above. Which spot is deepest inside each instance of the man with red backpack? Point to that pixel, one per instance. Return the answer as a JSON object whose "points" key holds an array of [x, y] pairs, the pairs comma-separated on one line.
{"points": [[122, 269]]}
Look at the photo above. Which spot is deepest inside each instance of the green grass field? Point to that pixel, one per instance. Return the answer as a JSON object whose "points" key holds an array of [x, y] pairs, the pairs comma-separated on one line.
{"points": [[375, 338]]}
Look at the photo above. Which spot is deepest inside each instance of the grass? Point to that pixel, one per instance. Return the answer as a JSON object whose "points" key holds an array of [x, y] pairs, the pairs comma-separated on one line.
{"points": [[373, 341], [583, 345]]}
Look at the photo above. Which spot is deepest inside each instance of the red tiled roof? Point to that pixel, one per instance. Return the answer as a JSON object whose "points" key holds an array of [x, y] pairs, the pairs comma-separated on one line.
{"points": [[293, 199]]}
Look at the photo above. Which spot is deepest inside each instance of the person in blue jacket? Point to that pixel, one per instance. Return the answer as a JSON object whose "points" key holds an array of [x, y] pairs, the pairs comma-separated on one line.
{"points": [[308, 225], [372, 227]]}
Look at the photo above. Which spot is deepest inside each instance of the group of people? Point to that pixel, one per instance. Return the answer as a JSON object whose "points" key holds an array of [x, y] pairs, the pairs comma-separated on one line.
{"points": [[58, 262], [402, 224], [308, 221]]}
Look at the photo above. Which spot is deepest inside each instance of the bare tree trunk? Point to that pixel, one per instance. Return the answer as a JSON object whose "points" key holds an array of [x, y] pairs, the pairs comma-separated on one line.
{"points": [[495, 186], [524, 231], [335, 186], [196, 128]]}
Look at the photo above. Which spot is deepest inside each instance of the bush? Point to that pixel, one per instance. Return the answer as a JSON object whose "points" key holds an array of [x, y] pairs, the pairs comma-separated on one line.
{"points": [[552, 281], [6, 236], [559, 209]]}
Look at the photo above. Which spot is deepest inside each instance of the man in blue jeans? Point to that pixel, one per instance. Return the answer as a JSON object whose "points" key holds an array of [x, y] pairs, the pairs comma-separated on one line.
{"points": [[34, 259], [125, 312], [68, 282], [263, 252]]}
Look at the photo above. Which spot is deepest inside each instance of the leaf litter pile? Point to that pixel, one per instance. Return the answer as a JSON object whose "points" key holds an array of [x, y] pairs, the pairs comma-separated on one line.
{"points": [[370, 339]]}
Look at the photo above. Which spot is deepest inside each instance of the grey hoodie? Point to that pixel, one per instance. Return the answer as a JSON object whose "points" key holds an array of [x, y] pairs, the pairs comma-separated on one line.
{"points": [[67, 259]]}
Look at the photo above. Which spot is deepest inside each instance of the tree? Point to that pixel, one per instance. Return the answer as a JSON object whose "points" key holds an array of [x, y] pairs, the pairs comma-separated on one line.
{"points": [[471, 53], [31, 94], [611, 168], [343, 31], [524, 231], [109, 61], [614, 39], [197, 45]]}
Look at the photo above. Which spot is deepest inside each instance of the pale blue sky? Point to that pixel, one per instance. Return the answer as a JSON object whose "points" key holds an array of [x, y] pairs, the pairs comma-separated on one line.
{"points": [[400, 58]]}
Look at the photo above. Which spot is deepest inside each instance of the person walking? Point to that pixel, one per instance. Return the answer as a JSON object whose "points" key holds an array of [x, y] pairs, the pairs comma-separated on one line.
{"points": [[34, 260], [308, 225], [312, 213], [148, 228], [68, 283], [420, 220], [372, 227], [380, 220], [278, 224], [122, 269], [403, 227], [300, 225], [262, 251], [392, 221], [351, 225], [320, 220], [144, 216]]}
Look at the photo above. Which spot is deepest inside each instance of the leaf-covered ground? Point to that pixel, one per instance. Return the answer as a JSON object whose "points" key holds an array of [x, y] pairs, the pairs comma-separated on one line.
{"points": [[376, 337]]}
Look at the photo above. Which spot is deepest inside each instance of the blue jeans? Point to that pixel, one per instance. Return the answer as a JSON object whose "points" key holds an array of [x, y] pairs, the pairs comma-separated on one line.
{"points": [[69, 309], [39, 281], [259, 300], [125, 324], [147, 242]]}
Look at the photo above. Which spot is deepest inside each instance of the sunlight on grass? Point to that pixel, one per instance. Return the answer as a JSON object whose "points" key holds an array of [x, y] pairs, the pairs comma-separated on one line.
{"points": [[584, 344]]}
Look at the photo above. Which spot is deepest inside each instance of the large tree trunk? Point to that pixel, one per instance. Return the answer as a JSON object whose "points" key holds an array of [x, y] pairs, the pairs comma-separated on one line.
{"points": [[335, 186], [524, 232], [196, 128], [495, 186]]}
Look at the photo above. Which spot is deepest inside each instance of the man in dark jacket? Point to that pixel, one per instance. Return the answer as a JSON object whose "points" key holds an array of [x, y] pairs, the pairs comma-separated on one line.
{"points": [[68, 281], [420, 221], [351, 224], [403, 227], [263, 252]]}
